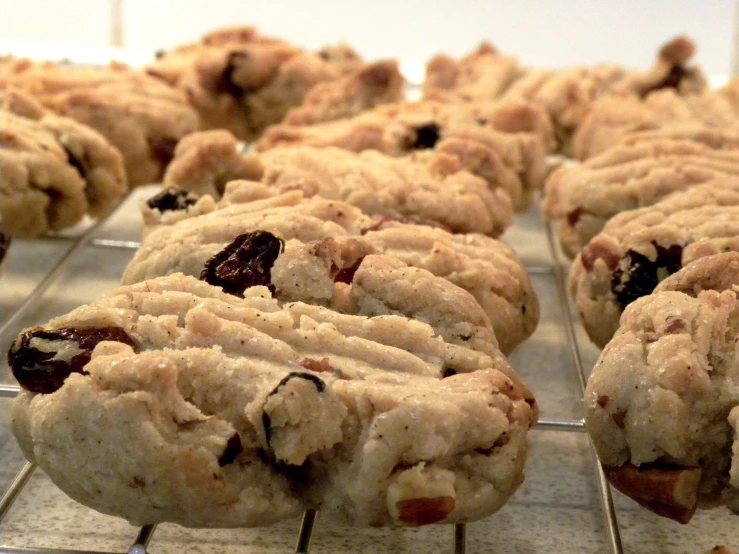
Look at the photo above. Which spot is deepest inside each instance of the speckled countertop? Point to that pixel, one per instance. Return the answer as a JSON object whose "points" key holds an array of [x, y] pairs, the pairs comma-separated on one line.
{"points": [[557, 510]]}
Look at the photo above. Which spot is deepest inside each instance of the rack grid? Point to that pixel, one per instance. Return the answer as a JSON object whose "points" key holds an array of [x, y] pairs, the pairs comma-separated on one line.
{"points": [[564, 506]]}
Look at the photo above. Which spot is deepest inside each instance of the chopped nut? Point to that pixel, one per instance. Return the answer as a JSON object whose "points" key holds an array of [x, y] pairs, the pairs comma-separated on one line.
{"points": [[423, 511], [669, 491]]}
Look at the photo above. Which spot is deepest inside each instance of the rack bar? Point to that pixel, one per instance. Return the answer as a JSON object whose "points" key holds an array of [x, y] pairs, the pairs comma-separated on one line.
{"points": [[15, 488], [306, 531], [142, 540], [113, 243], [77, 245], [561, 425], [460, 538], [9, 391], [609, 513], [15, 550]]}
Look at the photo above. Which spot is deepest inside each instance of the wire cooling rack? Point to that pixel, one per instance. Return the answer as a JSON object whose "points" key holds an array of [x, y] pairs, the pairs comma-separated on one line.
{"points": [[565, 504]]}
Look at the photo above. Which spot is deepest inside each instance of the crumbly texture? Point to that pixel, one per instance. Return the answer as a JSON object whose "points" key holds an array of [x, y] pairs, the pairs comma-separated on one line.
{"points": [[53, 170], [137, 114], [567, 94], [374, 84], [661, 402], [514, 137], [210, 410], [581, 197], [242, 81], [710, 116], [325, 239], [436, 186], [639, 248]]}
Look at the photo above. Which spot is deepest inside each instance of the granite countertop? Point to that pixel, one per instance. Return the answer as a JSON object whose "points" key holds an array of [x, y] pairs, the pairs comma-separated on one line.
{"points": [[557, 509]]}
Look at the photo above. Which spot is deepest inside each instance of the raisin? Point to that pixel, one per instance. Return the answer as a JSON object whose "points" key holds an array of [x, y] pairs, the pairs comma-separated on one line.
{"points": [[76, 163], [158, 54], [4, 244], [574, 216], [346, 274], [448, 372], [672, 80], [162, 149], [246, 262], [172, 199], [637, 275], [320, 387], [38, 370], [227, 83], [426, 136], [232, 450]]}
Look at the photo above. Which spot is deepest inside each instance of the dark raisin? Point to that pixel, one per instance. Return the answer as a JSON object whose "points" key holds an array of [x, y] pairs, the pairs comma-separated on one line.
{"points": [[448, 372], [320, 387], [162, 149], [227, 83], [39, 370], [246, 262], [159, 53], [232, 450], [574, 216], [346, 274], [172, 199], [76, 163], [482, 120], [672, 80], [637, 275], [4, 244], [426, 136]]}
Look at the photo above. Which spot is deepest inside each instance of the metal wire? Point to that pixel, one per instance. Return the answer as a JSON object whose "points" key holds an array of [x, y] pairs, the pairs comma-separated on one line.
{"points": [[15, 488], [609, 513]]}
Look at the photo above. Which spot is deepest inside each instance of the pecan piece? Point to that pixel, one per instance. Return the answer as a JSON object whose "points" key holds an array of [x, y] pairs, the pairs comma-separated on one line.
{"points": [[668, 491], [423, 511]]}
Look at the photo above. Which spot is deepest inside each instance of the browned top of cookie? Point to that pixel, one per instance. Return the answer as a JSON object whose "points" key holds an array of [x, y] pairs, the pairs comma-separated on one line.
{"points": [[143, 117], [53, 169], [566, 93], [242, 81]]}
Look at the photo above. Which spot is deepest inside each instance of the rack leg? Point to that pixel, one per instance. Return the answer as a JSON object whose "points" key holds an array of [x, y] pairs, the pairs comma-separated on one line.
{"points": [[306, 530]]}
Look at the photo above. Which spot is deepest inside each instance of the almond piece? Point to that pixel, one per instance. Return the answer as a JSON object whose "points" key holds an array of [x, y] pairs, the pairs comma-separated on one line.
{"points": [[668, 491]]}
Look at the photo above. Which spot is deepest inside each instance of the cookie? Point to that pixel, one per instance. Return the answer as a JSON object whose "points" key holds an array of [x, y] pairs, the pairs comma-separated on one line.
{"points": [[53, 171], [435, 186], [567, 94], [171, 400], [372, 85], [327, 239], [137, 114], [580, 198], [639, 248], [663, 114], [660, 404], [241, 81], [518, 136]]}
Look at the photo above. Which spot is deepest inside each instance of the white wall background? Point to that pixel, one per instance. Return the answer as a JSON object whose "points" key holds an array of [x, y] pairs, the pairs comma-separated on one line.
{"points": [[540, 32]]}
